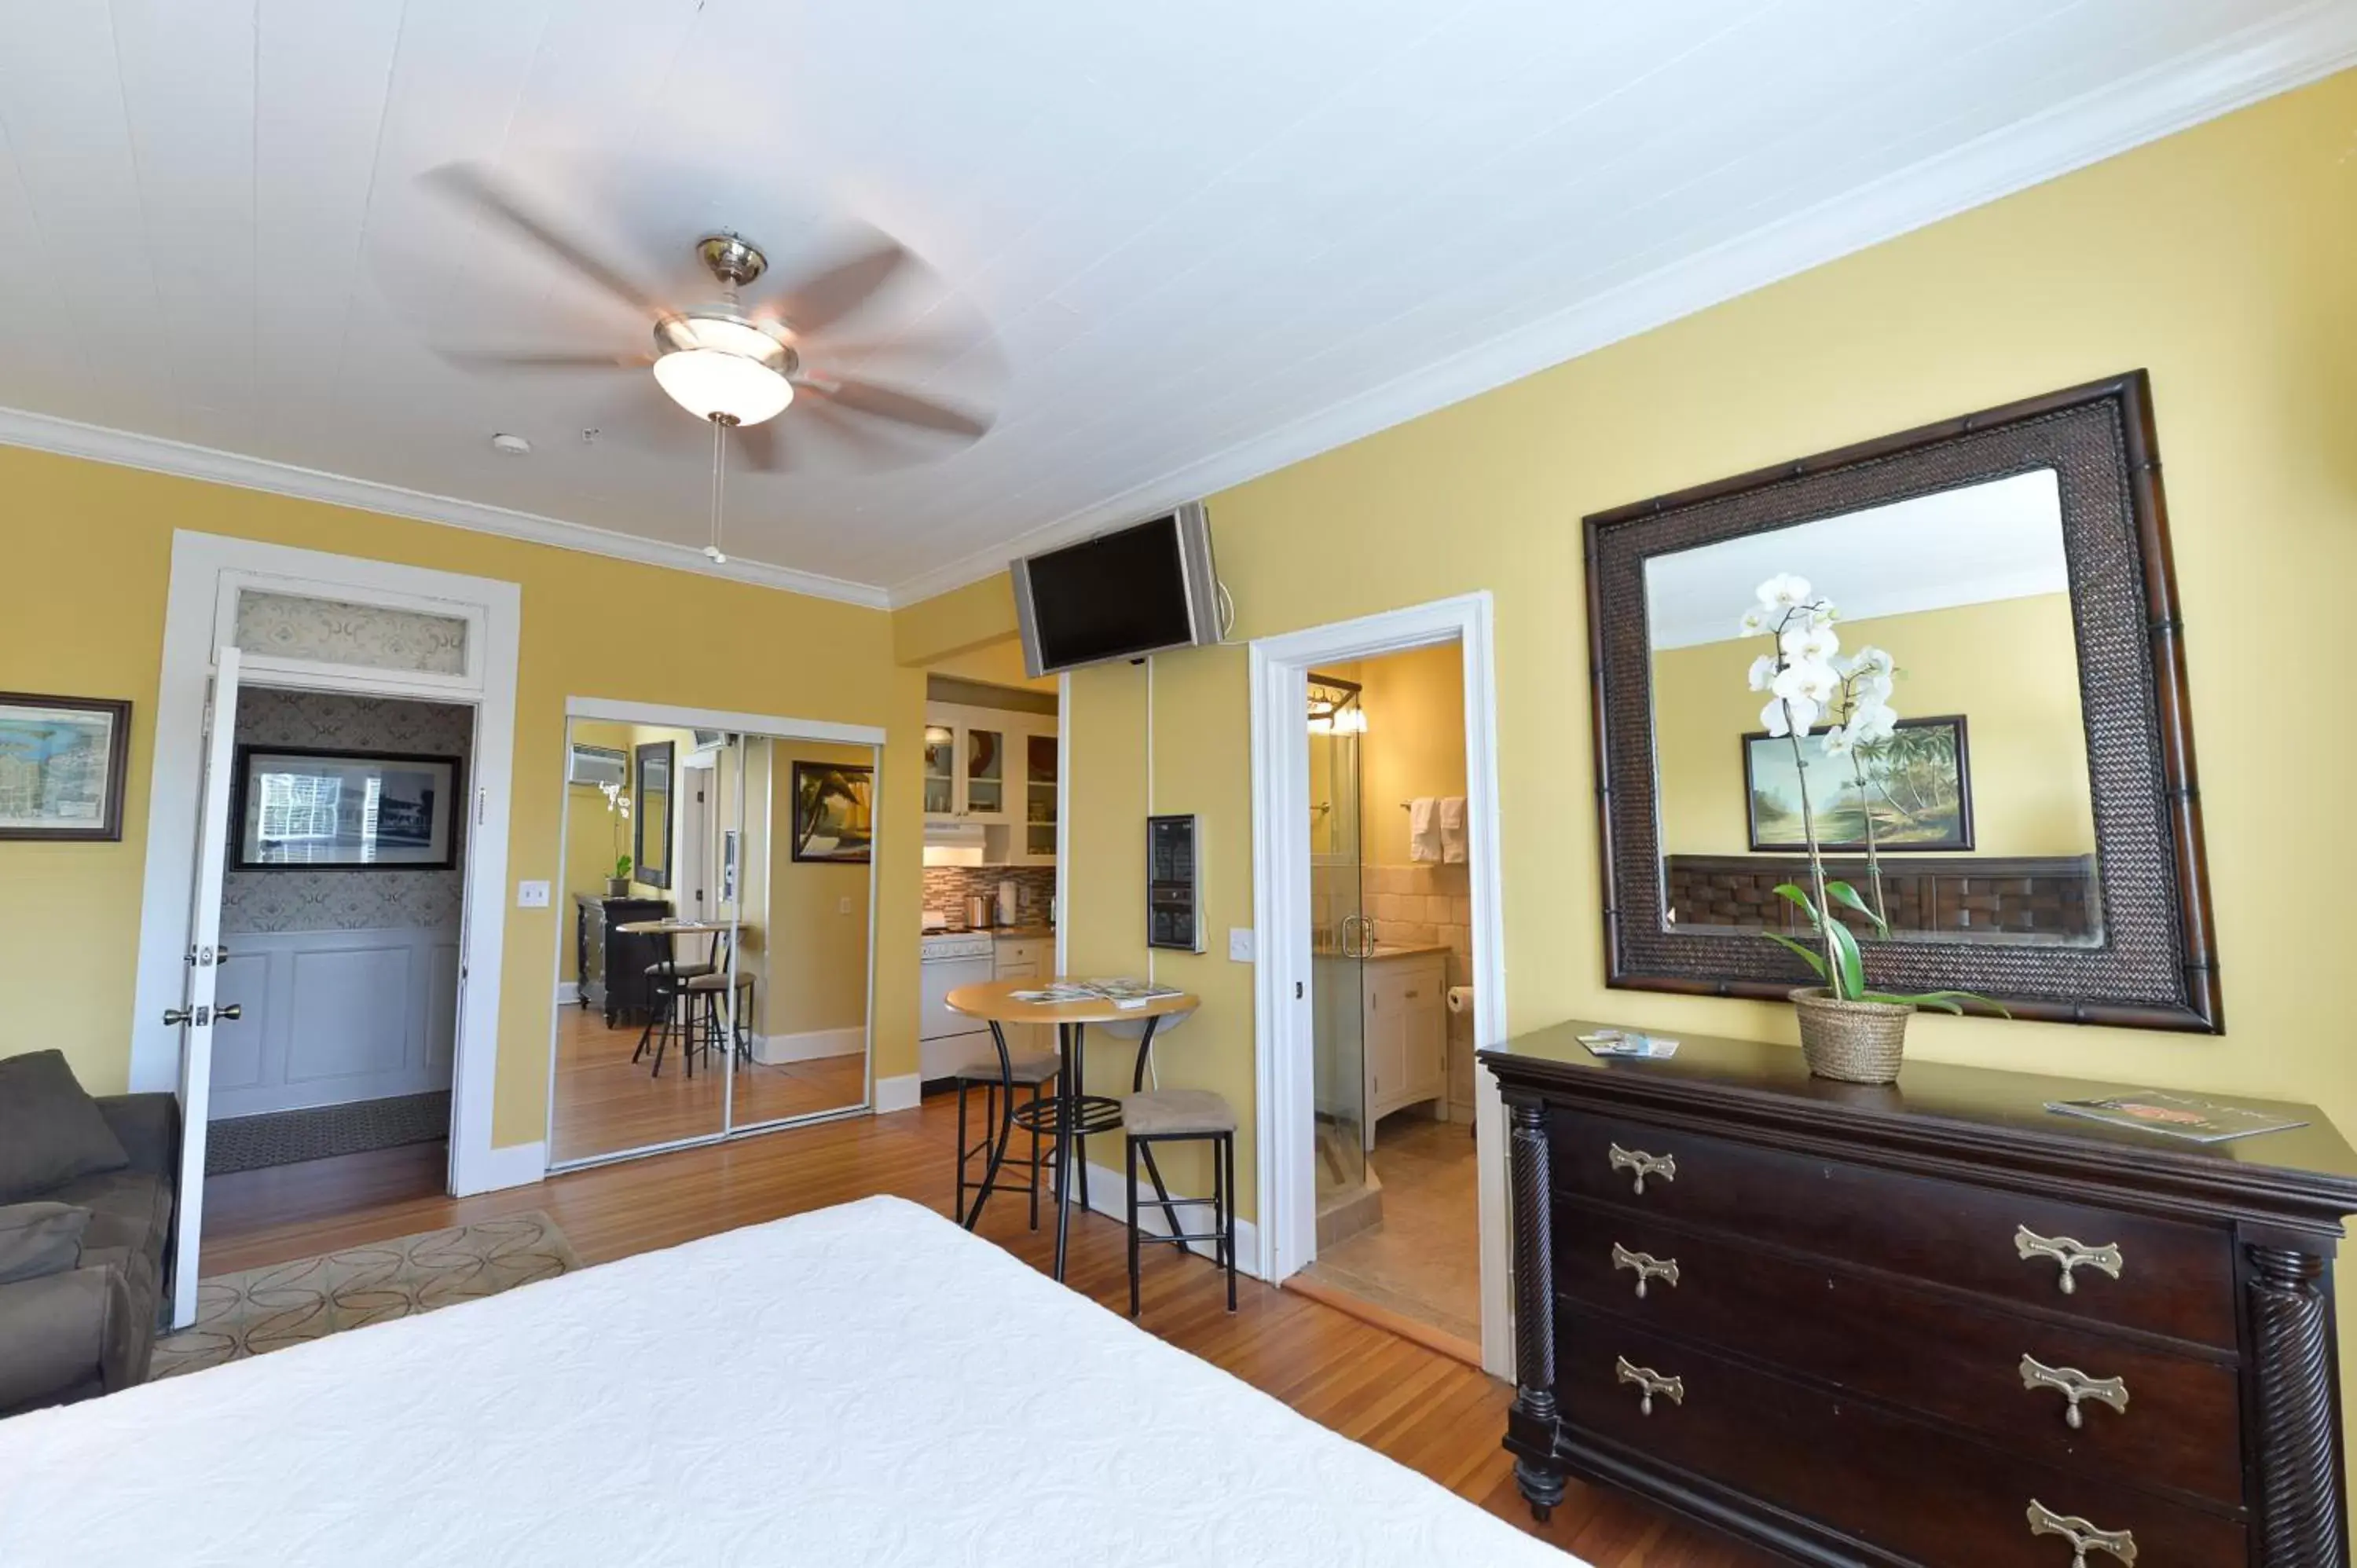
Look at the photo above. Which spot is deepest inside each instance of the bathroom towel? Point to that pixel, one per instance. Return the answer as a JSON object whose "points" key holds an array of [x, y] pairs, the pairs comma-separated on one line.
{"points": [[1424, 829], [1452, 829]]}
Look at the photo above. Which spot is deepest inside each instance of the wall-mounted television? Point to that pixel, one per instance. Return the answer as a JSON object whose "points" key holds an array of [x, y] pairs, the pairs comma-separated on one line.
{"points": [[1122, 595]]}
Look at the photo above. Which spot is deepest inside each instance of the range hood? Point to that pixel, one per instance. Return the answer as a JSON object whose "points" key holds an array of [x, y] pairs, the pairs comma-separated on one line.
{"points": [[953, 843]]}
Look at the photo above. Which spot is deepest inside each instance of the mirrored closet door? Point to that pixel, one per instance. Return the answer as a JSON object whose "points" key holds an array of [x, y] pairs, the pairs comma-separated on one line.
{"points": [[713, 968]]}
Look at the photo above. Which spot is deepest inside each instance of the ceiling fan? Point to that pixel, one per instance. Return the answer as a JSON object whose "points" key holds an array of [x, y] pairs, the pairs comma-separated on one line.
{"points": [[738, 365]]}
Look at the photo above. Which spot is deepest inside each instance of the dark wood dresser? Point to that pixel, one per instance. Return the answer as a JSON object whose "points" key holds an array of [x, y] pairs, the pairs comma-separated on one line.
{"points": [[612, 965], [1928, 1324]]}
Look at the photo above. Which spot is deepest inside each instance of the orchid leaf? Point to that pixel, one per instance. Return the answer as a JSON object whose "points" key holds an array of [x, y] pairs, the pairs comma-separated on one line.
{"points": [[1788, 890], [1945, 1001], [1812, 960], [1852, 964], [1843, 893]]}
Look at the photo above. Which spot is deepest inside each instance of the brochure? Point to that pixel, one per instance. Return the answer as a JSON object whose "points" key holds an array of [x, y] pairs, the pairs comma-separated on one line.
{"points": [[1628, 1043], [1121, 991], [2178, 1116]]}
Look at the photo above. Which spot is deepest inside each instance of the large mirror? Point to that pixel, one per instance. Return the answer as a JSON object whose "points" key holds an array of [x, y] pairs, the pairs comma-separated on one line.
{"points": [[1991, 742], [734, 995]]}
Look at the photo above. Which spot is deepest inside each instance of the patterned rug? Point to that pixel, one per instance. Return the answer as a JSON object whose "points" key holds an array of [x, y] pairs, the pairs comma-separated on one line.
{"points": [[289, 1138], [267, 1309]]}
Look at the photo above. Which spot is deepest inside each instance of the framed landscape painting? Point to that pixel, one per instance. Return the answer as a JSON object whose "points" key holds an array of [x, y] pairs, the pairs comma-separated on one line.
{"points": [[1918, 788], [351, 810], [835, 811], [61, 767]]}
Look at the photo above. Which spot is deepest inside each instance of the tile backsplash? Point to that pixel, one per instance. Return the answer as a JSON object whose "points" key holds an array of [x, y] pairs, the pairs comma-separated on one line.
{"points": [[947, 888]]}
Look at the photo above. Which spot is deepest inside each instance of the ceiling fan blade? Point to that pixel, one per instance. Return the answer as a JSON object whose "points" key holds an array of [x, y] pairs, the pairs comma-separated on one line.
{"points": [[474, 186], [902, 408], [817, 303], [504, 360]]}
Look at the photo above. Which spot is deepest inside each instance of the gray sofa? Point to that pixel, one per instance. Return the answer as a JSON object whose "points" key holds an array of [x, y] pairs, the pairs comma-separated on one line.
{"points": [[87, 1187]]}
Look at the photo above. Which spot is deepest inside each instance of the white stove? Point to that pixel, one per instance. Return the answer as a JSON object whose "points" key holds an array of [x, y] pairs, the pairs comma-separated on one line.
{"points": [[947, 1041]]}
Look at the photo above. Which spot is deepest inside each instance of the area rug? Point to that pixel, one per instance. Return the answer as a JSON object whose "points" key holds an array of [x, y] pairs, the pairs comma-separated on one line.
{"points": [[289, 1138], [267, 1310]]}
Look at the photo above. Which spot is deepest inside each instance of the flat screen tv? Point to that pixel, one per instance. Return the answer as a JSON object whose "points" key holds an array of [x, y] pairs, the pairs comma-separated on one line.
{"points": [[1123, 595]]}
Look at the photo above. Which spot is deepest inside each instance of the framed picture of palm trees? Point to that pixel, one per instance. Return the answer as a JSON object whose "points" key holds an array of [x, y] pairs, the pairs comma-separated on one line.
{"points": [[1912, 791], [835, 811]]}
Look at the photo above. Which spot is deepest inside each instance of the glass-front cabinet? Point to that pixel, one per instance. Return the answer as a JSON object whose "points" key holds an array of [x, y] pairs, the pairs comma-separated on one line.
{"points": [[995, 767], [1039, 797]]}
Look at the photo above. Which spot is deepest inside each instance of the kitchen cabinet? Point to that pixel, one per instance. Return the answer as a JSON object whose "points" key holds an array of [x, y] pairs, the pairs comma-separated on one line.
{"points": [[995, 767], [1031, 959], [1406, 1015]]}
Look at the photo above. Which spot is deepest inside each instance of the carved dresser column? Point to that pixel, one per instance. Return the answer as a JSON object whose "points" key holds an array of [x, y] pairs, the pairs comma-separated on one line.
{"points": [[2299, 1465], [1533, 1413]]}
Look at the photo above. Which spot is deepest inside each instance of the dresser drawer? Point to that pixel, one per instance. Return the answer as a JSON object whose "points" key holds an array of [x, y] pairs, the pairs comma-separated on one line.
{"points": [[2181, 1426], [2171, 1278], [1932, 1499]]}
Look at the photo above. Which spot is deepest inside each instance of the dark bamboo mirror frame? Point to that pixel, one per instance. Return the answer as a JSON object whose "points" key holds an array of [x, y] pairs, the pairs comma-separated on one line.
{"points": [[2155, 968]]}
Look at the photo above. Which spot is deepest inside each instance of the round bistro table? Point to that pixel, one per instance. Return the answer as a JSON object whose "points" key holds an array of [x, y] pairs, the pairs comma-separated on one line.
{"points": [[1071, 1115]]}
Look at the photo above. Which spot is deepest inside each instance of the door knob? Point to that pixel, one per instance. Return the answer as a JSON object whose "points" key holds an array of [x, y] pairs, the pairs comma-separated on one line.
{"points": [[233, 1012], [176, 1016]]}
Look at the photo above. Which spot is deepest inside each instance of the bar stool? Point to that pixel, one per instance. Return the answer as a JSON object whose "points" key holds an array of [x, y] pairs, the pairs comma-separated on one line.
{"points": [[666, 979], [704, 996], [1184, 1116], [1036, 1068]]}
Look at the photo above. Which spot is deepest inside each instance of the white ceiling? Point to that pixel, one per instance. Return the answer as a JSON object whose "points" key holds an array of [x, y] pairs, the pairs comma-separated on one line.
{"points": [[2002, 540], [1211, 238]]}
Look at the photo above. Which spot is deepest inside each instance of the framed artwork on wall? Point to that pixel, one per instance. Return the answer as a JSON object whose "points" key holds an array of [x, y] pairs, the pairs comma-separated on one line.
{"points": [[835, 811], [61, 767], [1917, 785], [350, 810]]}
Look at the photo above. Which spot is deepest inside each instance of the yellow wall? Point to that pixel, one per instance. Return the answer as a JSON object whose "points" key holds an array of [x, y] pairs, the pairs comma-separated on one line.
{"points": [[2008, 666], [814, 950], [2218, 258], [89, 546], [997, 663], [1414, 742]]}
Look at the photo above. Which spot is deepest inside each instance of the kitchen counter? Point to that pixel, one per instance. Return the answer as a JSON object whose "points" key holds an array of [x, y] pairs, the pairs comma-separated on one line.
{"points": [[1003, 933]]}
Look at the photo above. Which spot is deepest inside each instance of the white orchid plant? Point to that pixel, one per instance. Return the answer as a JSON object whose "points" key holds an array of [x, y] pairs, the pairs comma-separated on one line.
{"points": [[617, 808], [1809, 682]]}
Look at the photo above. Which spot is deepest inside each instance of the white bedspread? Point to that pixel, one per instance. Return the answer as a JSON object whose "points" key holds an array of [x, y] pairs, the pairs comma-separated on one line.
{"points": [[865, 1385]]}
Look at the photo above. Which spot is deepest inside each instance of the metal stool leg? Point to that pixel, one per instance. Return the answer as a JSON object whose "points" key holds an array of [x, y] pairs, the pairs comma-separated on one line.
{"points": [[963, 1086], [1130, 1149], [1228, 1214], [1035, 1156]]}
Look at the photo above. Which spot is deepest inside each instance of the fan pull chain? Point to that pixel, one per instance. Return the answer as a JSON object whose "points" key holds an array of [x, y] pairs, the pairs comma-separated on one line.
{"points": [[720, 423]]}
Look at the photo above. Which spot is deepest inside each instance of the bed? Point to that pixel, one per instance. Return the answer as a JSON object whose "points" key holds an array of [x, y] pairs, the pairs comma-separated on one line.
{"points": [[863, 1385]]}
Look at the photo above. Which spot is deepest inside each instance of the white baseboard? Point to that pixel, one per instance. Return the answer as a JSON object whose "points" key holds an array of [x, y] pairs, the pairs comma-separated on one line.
{"points": [[512, 1164], [771, 1050], [1108, 1196], [568, 991], [901, 1093]]}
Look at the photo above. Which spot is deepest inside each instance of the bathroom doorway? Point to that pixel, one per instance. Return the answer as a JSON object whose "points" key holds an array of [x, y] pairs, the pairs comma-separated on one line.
{"points": [[1376, 895], [1392, 965]]}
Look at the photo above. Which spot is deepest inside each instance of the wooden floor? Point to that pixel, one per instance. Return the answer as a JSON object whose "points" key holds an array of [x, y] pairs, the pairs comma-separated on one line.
{"points": [[606, 1104], [1430, 1413]]}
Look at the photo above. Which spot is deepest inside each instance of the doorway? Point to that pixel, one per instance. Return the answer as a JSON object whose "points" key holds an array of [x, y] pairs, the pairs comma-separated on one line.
{"points": [[342, 896], [1382, 1144]]}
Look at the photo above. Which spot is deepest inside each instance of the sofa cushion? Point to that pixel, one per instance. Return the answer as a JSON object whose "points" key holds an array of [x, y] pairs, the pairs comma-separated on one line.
{"points": [[39, 1239], [50, 1131], [130, 1215]]}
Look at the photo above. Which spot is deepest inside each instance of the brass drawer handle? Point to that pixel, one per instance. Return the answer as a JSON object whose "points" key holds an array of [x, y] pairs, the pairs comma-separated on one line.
{"points": [[1648, 1267], [2069, 1253], [2074, 1385], [2083, 1537], [1649, 1383], [1662, 1166]]}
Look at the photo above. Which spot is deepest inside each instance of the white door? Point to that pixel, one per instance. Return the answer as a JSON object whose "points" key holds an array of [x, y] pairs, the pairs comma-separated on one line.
{"points": [[198, 1006]]}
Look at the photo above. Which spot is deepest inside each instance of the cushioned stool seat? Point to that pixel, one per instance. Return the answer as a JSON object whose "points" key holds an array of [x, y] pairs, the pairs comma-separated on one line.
{"points": [[1177, 1113], [1029, 1067]]}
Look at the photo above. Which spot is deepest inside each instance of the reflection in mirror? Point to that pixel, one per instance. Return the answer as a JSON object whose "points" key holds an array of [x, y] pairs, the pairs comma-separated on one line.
{"points": [[1972, 813], [803, 866], [652, 837], [622, 1077]]}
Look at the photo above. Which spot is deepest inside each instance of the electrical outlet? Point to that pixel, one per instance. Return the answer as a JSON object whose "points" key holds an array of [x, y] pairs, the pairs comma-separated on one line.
{"points": [[532, 894], [843, 906], [1240, 945]]}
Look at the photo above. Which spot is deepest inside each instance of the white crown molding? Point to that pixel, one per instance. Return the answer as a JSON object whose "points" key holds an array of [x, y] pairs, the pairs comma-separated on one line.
{"points": [[65, 437], [2275, 57]]}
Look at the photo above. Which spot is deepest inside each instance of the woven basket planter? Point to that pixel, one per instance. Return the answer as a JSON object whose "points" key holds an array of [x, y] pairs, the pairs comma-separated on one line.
{"points": [[1855, 1042]]}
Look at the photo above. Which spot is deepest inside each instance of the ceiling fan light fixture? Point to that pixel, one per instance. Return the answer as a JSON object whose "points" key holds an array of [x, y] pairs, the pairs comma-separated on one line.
{"points": [[715, 365]]}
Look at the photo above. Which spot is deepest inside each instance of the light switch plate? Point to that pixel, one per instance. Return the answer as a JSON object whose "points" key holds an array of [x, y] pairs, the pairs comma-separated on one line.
{"points": [[843, 906], [532, 894], [1240, 945]]}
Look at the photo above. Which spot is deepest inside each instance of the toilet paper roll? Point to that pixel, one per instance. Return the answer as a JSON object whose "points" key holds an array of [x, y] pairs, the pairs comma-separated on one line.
{"points": [[1460, 999]]}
